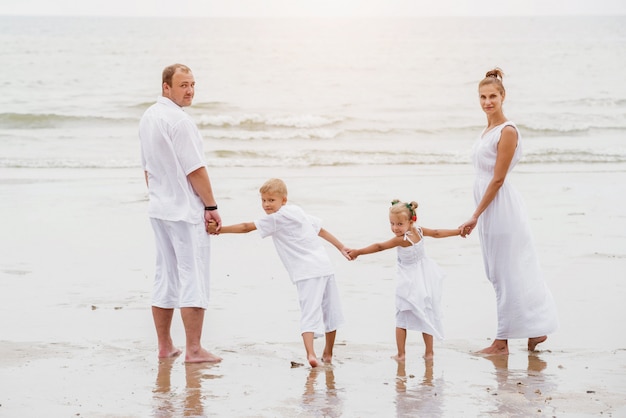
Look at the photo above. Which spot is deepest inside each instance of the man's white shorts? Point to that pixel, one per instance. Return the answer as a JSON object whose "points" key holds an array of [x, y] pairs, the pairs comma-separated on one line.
{"points": [[183, 255], [320, 307]]}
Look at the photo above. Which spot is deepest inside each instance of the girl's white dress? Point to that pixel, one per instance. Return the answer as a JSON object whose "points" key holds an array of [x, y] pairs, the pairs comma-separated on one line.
{"points": [[419, 289], [524, 302]]}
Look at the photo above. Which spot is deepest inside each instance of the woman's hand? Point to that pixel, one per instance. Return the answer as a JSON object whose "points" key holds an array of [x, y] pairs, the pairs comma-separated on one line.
{"points": [[351, 253], [468, 226]]}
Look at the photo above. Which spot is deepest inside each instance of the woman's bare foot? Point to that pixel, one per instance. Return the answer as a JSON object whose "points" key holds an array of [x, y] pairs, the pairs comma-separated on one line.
{"points": [[313, 360], [532, 342], [201, 356], [535, 363], [498, 347]]}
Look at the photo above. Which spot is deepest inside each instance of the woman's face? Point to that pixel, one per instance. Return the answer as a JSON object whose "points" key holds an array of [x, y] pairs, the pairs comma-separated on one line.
{"points": [[490, 99]]}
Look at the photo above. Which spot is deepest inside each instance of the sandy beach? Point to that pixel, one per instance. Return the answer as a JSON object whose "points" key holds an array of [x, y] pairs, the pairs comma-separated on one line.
{"points": [[76, 333]]}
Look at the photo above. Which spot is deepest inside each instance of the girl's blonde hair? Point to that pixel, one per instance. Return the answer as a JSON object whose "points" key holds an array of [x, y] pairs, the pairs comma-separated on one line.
{"points": [[274, 186], [408, 209], [493, 77]]}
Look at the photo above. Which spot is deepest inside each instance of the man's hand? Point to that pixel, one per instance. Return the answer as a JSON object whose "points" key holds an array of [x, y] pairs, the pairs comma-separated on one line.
{"points": [[212, 227]]}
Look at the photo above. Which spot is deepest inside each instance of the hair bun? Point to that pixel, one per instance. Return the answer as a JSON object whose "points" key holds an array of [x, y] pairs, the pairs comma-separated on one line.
{"points": [[495, 73]]}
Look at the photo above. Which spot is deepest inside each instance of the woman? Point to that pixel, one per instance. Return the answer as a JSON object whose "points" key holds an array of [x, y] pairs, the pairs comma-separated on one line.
{"points": [[524, 302]]}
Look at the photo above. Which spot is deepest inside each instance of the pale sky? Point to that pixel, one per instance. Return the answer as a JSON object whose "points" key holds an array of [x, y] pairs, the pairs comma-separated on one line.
{"points": [[312, 8]]}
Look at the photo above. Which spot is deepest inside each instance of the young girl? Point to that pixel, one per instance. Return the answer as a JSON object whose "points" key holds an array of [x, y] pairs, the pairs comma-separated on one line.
{"points": [[419, 283]]}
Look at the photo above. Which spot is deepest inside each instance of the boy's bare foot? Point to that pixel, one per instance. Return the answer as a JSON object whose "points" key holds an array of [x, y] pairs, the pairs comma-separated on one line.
{"points": [[498, 347], [532, 342], [313, 360], [169, 352], [399, 357], [201, 356]]}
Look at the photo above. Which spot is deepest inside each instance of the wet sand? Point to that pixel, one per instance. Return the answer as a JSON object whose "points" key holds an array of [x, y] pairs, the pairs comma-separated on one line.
{"points": [[77, 337]]}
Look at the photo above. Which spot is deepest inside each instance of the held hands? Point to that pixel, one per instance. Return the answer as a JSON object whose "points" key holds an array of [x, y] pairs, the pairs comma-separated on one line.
{"points": [[346, 253], [351, 253], [211, 227], [468, 227], [212, 217]]}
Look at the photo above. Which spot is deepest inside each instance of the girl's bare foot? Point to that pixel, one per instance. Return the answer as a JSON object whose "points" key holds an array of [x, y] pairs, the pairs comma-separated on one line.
{"points": [[327, 355], [201, 356], [532, 342], [313, 360]]}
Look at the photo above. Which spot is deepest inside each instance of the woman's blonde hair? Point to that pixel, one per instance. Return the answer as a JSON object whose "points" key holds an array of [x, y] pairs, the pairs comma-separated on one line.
{"points": [[493, 77]]}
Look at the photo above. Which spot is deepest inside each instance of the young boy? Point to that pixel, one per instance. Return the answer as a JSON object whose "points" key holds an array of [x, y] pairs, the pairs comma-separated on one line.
{"points": [[295, 235]]}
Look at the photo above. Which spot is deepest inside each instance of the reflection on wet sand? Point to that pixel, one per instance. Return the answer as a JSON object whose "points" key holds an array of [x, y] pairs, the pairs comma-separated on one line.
{"points": [[516, 388], [163, 406], [170, 402], [325, 401], [423, 399]]}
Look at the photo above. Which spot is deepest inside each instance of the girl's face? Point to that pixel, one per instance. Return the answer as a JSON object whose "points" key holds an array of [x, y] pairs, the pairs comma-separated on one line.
{"points": [[490, 99], [272, 201], [399, 223]]}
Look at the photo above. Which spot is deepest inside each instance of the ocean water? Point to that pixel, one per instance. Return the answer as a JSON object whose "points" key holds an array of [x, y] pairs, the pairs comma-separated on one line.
{"points": [[312, 92]]}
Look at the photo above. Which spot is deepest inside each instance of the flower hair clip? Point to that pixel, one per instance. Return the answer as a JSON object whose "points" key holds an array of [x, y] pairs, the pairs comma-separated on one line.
{"points": [[413, 216]]}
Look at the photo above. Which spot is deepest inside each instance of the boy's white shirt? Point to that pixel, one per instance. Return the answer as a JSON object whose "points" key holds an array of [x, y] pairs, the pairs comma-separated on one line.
{"points": [[295, 236]]}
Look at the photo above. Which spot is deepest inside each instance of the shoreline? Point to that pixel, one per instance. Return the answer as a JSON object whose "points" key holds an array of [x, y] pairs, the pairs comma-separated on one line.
{"points": [[77, 335]]}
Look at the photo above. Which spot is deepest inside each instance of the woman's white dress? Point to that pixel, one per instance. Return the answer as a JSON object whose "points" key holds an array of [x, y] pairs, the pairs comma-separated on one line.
{"points": [[418, 290], [524, 302]]}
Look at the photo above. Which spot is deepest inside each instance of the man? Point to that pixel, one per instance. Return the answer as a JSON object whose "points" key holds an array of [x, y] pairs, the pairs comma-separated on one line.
{"points": [[181, 204]]}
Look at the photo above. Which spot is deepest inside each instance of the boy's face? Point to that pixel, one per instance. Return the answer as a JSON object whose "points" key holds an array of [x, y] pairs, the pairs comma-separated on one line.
{"points": [[272, 201]]}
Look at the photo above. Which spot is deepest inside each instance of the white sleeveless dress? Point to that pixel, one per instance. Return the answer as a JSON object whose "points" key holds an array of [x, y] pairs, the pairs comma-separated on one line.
{"points": [[524, 302], [418, 290]]}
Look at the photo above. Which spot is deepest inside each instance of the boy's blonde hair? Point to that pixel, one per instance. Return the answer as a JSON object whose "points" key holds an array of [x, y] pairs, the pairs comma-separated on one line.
{"points": [[274, 186]]}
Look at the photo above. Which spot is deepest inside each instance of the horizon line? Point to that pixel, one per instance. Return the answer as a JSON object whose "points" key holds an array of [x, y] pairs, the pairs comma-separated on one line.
{"points": [[311, 16]]}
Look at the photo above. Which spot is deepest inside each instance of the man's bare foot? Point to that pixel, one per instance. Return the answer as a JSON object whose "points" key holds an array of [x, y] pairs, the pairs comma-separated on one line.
{"points": [[532, 342], [313, 360], [201, 356], [399, 357], [498, 347], [429, 356], [170, 352]]}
